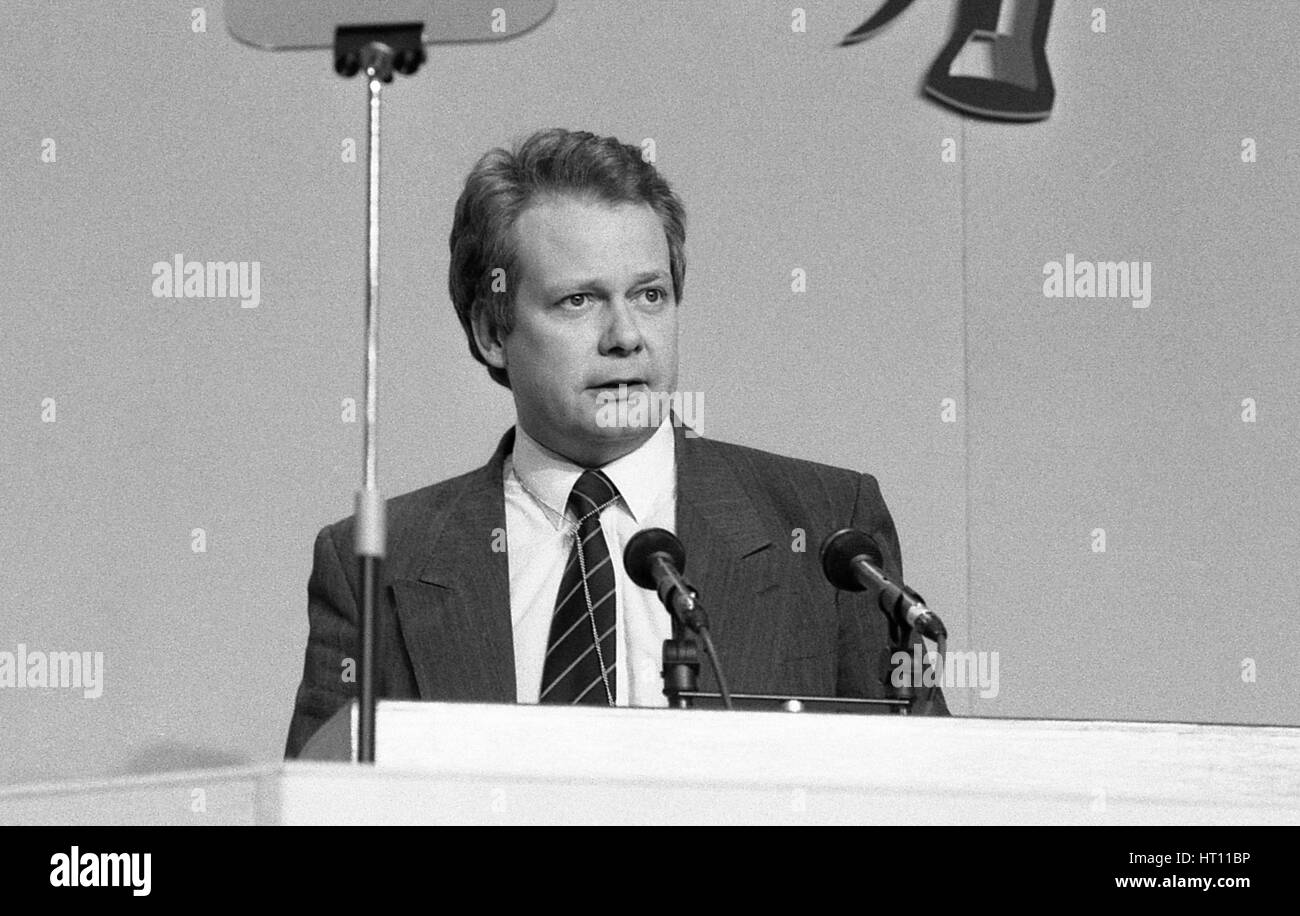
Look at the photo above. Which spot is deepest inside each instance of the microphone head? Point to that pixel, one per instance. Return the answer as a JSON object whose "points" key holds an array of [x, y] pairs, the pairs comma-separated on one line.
{"points": [[644, 545], [839, 551]]}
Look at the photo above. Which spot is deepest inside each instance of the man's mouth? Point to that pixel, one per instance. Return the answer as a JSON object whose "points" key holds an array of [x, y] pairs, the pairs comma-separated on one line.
{"points": [[616, 384]]}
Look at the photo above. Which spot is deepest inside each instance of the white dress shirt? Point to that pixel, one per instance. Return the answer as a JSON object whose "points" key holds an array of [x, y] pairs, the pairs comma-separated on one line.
{"points": [[539, 543]]}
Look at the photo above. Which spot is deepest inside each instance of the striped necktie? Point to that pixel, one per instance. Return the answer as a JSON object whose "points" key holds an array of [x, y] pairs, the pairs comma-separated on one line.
{"points": [[580, 653]]}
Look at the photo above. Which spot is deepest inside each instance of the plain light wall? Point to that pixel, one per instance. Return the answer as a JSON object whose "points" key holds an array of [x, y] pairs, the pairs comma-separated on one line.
{"points": [[1090, 414], [923, 283]]}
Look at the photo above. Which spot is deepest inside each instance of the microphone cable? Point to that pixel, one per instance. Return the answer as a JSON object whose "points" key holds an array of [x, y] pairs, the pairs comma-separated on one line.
{"points": [[712, 653]]}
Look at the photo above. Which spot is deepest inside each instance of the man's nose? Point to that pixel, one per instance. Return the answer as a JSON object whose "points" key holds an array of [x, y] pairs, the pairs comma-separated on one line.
{"points": [[622, 333]]}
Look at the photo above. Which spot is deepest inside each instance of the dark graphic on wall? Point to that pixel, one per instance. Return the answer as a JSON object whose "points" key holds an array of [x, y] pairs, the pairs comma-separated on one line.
{"points": [[1014, 35]]}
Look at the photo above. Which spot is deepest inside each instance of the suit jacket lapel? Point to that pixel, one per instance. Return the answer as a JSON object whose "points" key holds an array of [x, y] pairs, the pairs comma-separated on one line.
{"points": [[729, 557], [455, 616]]}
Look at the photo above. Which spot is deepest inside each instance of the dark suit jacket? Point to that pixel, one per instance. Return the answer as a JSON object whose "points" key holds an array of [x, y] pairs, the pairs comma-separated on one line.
{"points": [[751, 521]]}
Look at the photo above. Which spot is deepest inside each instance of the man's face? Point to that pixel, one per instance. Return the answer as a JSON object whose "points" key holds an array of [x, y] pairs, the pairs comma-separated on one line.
{"points": [[593, 308]]}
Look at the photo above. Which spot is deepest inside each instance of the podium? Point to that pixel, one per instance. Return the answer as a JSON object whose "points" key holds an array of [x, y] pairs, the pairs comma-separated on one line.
{"points": [[451, 763]]}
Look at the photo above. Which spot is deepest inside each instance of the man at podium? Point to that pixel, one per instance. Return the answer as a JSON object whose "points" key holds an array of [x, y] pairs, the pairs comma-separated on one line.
{"points": [[507, 584]]}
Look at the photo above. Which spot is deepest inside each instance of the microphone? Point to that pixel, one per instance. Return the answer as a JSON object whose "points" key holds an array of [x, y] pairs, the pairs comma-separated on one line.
{"points": [[852, 561], [654, 559]]}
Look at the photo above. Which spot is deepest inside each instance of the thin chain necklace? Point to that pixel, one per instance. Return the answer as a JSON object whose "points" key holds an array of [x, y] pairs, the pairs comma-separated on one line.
{"points": [[591, 617], [570, 528]]}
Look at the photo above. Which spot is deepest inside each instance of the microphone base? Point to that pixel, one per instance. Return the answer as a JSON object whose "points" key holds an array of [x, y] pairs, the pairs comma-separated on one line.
{"points": [[681, 671]]}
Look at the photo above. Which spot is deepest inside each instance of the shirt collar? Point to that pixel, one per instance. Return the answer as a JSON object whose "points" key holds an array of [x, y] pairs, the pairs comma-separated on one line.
{"points": [[642, 476]]}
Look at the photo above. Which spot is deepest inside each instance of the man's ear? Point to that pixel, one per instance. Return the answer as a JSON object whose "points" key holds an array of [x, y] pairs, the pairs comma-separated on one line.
{"points": [[488, 340]]}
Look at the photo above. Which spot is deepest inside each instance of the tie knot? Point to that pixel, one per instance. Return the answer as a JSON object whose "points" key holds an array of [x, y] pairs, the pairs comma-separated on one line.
{"points": [[592, 491]]}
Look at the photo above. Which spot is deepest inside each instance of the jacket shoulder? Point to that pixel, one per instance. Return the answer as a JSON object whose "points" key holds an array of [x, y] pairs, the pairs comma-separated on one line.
{"points": [[795, 487], [773, 466]]}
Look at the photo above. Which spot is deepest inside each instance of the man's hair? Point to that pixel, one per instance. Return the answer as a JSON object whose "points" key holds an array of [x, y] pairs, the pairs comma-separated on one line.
{"points": [[503, 183]]}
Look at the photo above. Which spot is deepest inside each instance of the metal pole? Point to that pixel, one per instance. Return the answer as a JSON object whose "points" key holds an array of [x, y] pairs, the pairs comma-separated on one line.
{"points": [[370, 534]]}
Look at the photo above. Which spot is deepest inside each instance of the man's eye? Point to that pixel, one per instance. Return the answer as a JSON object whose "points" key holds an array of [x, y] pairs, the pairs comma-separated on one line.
{"points": [[655, 295], [577, 300]]}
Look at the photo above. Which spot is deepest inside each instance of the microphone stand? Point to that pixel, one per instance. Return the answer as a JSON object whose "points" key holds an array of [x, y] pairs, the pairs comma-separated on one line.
{"points": [[379, 51], [900, 637], [906, 692], [681, 667]]}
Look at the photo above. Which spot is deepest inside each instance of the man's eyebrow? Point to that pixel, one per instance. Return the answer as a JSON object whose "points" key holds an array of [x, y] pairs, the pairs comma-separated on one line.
{"points": [[645, 276]]}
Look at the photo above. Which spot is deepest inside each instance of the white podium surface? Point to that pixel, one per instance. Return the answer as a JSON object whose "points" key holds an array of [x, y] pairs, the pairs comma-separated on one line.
{"points": [[444, 763]]}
